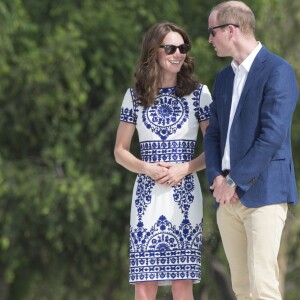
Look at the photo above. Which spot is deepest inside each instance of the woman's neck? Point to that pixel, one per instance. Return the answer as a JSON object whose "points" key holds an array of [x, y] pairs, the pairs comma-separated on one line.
{"points": [[169, 81]]}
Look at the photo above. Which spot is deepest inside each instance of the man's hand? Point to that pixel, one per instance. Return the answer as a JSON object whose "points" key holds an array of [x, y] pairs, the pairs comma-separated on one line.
{"points": [[223, 193]]}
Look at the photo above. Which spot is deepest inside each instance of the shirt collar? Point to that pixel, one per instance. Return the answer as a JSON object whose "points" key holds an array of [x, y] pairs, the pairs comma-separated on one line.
{"points": [[247, 63]]}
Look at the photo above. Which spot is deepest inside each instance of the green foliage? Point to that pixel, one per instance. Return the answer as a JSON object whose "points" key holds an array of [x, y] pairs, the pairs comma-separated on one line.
{"points": [[64, 209]]}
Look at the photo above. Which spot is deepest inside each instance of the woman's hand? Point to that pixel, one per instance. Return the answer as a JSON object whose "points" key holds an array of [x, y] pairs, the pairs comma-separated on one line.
{"points": [[176, 172], [155, 171]]}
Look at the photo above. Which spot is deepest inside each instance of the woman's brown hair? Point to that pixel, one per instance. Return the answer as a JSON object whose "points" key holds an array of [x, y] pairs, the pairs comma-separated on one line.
{"points": [[148, 71]]}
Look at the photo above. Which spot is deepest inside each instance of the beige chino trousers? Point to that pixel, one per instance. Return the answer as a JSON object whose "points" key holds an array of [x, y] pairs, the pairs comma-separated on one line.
{"points": [[251, 240]]}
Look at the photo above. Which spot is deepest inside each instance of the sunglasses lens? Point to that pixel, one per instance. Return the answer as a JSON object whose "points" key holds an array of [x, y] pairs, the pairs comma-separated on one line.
{"points": [[211, 32], [184, 48], [170, 49]]}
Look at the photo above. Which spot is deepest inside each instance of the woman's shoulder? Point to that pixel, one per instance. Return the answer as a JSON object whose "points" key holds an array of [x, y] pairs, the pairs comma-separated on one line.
{"points": [[203, 94], [200, 89]]}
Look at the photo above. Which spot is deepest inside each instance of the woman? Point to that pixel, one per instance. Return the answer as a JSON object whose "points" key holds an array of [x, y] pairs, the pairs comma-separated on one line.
{"points": [[166, 107]]}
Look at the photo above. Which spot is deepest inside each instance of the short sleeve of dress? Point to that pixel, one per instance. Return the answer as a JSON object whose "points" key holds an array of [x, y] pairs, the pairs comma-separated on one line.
{"points": [[128, 112], [205, 101]]}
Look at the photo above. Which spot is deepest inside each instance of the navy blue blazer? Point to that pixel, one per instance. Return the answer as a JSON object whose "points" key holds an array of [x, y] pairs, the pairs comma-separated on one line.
{"points": [[260, 137]]}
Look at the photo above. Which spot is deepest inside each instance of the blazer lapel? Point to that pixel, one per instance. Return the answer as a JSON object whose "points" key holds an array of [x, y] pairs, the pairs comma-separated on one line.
{"points": [[228, 98], [256, 67]]}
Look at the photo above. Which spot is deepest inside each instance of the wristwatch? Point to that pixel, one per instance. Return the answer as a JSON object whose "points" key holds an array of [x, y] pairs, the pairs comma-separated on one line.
{"points": [[230, 181]]}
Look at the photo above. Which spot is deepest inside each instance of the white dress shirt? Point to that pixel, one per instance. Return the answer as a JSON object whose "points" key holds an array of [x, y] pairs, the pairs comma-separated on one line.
{"points": [[241, 72]]}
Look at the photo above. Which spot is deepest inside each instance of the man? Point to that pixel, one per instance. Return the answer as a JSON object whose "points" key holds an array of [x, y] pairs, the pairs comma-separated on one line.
{"points": [[249, 162]]}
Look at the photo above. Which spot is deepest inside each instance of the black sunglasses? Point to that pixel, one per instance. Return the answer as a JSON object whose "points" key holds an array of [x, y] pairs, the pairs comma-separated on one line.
{"points": [[211, 29], [171, 49]]}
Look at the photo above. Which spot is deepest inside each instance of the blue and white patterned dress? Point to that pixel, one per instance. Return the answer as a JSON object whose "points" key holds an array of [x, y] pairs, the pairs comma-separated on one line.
{"points": [[166, 222]]}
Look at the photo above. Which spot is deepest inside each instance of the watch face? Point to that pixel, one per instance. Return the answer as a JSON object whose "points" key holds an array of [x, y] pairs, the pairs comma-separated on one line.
{"points": [[229, 181]]}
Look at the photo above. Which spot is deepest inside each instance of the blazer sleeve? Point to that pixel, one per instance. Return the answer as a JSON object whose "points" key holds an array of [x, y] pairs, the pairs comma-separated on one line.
{"points": [[211, 143]]}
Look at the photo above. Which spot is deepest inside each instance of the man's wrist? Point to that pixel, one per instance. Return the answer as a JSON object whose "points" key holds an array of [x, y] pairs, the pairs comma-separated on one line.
{"points": [[230, 182]]}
